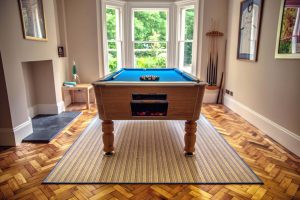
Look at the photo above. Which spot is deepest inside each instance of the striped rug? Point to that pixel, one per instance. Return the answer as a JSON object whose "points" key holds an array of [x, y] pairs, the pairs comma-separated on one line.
{"points": [[152, 152]]}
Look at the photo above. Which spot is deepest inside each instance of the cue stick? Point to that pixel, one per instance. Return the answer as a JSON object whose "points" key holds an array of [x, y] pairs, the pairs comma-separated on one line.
{"points": [[219, 93], [213, 61], [209, 69], [216, 72], [222, 84]]}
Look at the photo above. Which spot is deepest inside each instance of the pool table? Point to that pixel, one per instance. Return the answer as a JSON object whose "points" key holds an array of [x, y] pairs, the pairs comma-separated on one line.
{"points": [[175, 95]]}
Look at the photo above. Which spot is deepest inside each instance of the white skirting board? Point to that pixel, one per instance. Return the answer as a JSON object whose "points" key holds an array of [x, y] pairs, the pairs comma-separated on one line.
{"points": [[46, 109], [288, 139], [14, 136], [22, 131]]}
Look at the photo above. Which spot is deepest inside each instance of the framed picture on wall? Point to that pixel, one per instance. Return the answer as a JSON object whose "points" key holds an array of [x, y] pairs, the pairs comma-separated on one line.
{"points": [[288, 31], [249, 29], [33, 19]]}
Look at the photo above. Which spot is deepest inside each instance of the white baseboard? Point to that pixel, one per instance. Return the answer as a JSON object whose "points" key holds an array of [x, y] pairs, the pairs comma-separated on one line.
{"points": [[46, 109], [33, 111], [14, 136], [60, 107], [23, 130], [288, 139]]}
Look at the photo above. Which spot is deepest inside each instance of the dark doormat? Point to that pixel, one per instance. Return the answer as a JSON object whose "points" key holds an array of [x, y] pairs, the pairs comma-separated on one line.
{"points": [[46, 127]]}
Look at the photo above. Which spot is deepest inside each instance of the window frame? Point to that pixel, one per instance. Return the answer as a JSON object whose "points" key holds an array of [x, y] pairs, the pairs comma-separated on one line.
{"points": [[181, 6], [173, 24], [133, 41], [120, 6], [131, 6]]}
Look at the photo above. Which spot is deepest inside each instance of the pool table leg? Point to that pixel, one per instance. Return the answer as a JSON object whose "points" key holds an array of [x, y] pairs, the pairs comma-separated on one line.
{"points": [[108, 137], [190, 137]]}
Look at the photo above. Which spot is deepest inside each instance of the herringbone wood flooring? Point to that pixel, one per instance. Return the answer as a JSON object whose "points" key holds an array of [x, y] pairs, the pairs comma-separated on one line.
{"points": [[23, 168]]}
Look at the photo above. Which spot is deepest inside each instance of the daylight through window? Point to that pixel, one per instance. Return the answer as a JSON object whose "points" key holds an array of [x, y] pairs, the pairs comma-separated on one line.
{"points": [[150, 38], [113, 39], [147, 35], [186, 39]]}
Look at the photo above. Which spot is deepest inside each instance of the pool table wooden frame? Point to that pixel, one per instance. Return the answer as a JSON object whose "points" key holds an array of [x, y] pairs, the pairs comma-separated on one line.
{"points": [[184, 103]]}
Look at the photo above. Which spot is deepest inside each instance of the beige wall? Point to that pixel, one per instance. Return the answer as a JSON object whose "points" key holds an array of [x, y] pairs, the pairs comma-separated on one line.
{"points": [[6, 137], [82, 37], [5, 118], [29, 84], [16, 50], [271, 87], [39, 82], [212, 11]]}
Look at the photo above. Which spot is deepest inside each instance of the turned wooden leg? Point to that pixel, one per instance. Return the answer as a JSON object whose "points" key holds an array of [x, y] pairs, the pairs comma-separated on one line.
{"points": [[190, 137], [108, 137]]}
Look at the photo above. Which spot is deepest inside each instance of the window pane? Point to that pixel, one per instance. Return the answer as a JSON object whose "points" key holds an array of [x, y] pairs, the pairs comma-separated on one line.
{"points": [[114, 52], [150, 55], [114, 56], [185, 58], [112, 61], [111, 23], [189, 23], [150, 25], [187, 61], [151, 45], [112, 45]]}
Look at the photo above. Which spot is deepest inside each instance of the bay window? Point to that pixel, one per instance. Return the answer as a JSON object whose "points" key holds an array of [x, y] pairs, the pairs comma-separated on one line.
{"points": [[147, 35]]}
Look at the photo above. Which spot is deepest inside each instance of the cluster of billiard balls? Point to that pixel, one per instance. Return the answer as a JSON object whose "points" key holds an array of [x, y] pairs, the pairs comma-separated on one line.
{"points": [[149, 78]]}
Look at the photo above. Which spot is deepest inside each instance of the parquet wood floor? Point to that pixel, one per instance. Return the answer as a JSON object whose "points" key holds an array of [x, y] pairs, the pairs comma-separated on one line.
{"points": [[23, 168]]}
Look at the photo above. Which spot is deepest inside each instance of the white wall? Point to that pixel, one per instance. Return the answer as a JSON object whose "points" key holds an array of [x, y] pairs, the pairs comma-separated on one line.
{"points": [[15, 50], [266, 92]]}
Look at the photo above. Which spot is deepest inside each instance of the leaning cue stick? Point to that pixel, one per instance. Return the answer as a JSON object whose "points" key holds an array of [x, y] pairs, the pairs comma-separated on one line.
{"points": [[222, 84], [214, 58], [216, 71], [210, 65], [224, 79], [216, 62], [219, 93]]}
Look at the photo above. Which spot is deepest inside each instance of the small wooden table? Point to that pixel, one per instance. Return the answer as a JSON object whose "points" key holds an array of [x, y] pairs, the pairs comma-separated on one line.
{"points": [[86, 87]]}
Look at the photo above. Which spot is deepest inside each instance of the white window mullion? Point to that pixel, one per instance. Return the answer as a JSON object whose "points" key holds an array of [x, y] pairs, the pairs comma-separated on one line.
{"points": [[183, 42], [113, 47]]}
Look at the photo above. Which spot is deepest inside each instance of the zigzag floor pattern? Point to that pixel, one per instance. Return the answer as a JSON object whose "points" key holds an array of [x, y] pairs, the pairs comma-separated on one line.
{"points": [[23, 168]]}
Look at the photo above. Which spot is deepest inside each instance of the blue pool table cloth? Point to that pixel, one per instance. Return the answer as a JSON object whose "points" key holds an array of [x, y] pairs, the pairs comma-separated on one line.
{"points": [[165, 75]]}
